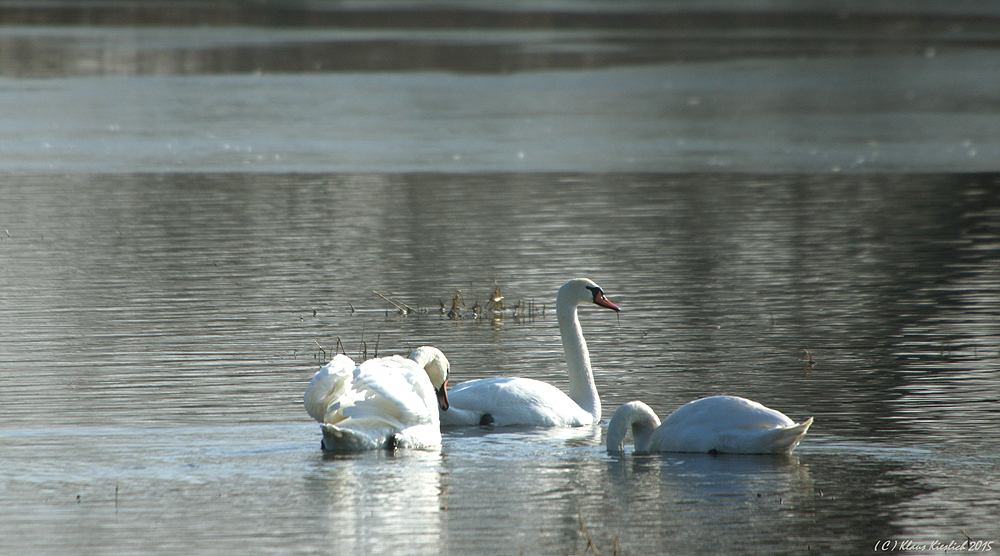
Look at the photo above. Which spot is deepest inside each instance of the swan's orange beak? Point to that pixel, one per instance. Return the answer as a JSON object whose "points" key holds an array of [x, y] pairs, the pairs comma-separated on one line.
{"points": [[442, 394], [603, 301]]}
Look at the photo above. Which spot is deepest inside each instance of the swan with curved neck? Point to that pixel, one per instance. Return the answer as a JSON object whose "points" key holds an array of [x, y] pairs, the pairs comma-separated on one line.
{"points": [[389, 402], [506, 401], [718, 424]]}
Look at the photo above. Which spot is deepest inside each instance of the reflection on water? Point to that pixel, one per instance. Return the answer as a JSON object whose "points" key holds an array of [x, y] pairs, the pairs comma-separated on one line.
{"points": [[300, 38], [889, 285], [160, 330], [763, 493], [486, 472], [362, 497]]}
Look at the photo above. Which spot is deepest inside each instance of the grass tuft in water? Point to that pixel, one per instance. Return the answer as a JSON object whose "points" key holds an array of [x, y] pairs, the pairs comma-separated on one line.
{"points": [[591, 545]]}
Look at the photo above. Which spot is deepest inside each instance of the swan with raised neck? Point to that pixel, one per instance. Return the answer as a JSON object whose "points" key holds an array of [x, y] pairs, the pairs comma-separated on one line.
{"points": [[524, 401]]}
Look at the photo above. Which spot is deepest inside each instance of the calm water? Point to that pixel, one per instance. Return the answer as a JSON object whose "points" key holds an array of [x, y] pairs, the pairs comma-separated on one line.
{"points": [[193, 218]]}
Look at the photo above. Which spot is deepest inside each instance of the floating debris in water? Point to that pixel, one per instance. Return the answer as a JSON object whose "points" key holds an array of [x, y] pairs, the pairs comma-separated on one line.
{"points": [[457, 308], [808, 359], [495, 303], [495, 311], [401, 307], [457, 304]]}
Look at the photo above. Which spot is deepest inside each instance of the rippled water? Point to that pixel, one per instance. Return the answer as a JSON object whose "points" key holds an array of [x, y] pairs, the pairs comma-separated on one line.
{"points": [[184, 244]]}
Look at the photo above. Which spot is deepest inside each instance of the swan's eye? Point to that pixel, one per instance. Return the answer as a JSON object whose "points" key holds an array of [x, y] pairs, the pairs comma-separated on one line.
{"points": [[599, 298]]}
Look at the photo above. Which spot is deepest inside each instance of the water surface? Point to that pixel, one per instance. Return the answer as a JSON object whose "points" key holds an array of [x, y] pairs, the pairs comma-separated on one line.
{"points": [[194, 217]]}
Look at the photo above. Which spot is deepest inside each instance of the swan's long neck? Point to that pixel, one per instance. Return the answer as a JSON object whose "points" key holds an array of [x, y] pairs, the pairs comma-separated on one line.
{"points": [[637, 416], [581, 377]]}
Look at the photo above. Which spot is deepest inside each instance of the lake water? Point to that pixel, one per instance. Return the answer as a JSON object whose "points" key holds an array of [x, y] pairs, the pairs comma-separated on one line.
{"points": [[196, 209]]}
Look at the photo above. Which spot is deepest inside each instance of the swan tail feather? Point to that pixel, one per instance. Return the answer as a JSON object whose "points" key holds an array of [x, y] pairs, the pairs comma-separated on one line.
{"points": [[788, 438], [783, 440]]}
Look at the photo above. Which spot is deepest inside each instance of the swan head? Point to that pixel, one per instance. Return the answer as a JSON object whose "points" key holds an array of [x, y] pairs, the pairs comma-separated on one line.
{"points": [[582, 290], [436, 365]]}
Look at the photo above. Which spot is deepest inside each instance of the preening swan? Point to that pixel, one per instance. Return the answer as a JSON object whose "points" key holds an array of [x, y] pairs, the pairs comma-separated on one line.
{"points": [[524, 401], [389, 402], [722, 424]]}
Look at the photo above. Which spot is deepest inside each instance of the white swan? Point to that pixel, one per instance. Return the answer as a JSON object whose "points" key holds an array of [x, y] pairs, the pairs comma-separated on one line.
{"points": [[389, 402], [524, 401], [719, 424]]}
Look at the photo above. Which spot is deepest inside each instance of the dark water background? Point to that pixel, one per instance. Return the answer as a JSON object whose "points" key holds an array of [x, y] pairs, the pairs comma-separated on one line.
{"points": [[196, 205]]}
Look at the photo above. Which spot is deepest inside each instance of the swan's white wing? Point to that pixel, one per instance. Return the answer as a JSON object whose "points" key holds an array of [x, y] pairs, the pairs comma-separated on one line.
{"points": [[396, 391], [328, 384], [513, 401], [726, 424]]}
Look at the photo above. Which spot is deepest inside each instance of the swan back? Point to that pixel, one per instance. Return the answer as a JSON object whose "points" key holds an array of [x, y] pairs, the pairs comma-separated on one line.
{"points": [[636, 416]]}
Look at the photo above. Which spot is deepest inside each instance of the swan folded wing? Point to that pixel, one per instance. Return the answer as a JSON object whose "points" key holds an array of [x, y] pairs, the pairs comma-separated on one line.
{"points": [[328, 384], [537, 403], [728, 424], [770, 441], [395, 391]]}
